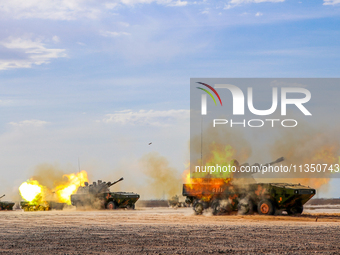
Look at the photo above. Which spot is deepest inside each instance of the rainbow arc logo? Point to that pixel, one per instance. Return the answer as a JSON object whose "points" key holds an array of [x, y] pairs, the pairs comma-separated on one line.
{"points": [[209, 93]]}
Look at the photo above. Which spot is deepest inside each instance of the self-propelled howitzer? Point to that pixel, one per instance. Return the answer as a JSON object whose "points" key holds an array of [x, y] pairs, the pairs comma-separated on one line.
{"points": [[98, 196], [5, 205], [265, 198]]}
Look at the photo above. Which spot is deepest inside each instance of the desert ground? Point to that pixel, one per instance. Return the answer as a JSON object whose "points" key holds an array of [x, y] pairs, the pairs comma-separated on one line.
{"points": [[167, 231]]}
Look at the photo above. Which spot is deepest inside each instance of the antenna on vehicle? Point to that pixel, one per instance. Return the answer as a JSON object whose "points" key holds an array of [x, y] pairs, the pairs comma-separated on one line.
{"points": [[202, 141], [79, 172]]}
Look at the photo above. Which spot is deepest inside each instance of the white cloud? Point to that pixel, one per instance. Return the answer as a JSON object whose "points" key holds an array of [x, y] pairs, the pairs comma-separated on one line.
{"points": [[69, 9], [27, 53], [160, 2], [253, 1], [134, 2], [110, 6], [5, 102], [331, 2], [112, 34], [178, 3], [307, 51], [124, 24], [233, 3], [32, 123], [258, 14], [55, 39], [50, 9], [151, 117]]}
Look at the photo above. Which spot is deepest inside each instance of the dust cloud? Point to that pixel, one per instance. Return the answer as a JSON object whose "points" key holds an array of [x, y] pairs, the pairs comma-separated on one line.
{"points": [[307, 146], [163, 181]]}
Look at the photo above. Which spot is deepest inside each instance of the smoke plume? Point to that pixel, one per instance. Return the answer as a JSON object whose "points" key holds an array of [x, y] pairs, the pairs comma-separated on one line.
{"points": [[307, 146], [161, 178]]}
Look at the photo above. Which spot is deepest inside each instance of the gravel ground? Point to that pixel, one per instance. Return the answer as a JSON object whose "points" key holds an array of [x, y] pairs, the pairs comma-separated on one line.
{"points": [[165, 231]]}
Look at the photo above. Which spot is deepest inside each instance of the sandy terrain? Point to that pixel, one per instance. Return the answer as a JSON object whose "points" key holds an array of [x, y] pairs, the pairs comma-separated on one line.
{"points": [[165, 231]]}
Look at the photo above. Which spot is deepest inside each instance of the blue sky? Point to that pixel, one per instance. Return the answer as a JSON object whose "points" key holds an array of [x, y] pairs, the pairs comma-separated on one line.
{"points": [[75, 74]]}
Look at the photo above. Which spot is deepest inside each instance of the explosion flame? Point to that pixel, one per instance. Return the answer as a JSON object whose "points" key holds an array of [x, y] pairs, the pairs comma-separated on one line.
{"points": [[33, 192], [64, 191], [30, 190]]}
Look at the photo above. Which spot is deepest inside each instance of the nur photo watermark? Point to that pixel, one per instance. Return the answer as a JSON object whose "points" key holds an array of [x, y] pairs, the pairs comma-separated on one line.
{"points": [[239, 124]]}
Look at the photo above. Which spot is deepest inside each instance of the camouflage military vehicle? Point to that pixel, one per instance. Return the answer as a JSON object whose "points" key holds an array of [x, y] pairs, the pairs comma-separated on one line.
{"points": [[4, 205], [42, 206], [265, 198], [98, 196]]}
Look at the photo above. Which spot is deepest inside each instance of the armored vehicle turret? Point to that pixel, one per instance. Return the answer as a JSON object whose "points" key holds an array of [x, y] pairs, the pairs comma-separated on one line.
{"points": [[98, 196]]}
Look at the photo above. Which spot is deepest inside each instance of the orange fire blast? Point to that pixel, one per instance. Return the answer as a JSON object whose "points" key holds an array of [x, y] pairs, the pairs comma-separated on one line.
{"points": [[215, 183], [32, 191]]}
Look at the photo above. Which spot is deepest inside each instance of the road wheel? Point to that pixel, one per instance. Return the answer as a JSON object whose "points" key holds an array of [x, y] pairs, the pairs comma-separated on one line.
{"points": [[245, 206], [111, 205], [216, 207], [266, 207], [198, 208], [130, 207], [297, 210], [79, 205]]}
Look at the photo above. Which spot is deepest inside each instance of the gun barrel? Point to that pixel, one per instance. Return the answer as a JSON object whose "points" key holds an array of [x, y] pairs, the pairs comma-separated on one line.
{"points": [[2, 196], [274, 162], [115, 182]]}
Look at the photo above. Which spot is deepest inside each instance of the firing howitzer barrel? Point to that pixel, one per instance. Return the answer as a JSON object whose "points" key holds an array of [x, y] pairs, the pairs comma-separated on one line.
{"points": [[2, 196], [109, 184], [265, 165], [274, 162], [257, 165]]}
